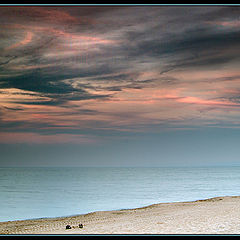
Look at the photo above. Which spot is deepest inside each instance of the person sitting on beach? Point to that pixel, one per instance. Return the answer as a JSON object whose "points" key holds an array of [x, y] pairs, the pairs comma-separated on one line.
{"points": [[68, 227]]}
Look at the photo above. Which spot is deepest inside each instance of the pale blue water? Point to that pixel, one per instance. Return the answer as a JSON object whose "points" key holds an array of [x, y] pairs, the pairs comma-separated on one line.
{"points": [[27, 193]]}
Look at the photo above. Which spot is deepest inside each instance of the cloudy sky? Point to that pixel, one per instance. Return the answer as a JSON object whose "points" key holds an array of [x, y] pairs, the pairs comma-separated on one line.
{"points": [[119, 86]]}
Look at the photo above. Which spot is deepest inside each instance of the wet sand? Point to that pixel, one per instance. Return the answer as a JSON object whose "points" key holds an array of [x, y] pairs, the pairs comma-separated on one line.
{"points": [[219, 215]]}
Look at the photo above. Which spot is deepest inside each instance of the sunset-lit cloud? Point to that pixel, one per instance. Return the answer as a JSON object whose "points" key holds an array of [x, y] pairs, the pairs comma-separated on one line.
{"points": [[27, 39], [72, 74], [9, 137]]}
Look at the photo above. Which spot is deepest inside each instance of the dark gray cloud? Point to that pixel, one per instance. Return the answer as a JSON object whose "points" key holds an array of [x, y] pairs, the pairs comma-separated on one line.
{"points": [[166, 38], [57, 55]]}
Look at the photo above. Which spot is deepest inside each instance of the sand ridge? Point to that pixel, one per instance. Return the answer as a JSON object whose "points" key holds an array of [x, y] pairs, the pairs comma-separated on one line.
{"points": [[220, 215]]}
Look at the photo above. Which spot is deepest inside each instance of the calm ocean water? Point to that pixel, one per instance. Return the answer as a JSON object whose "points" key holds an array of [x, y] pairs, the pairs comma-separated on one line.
{"points": [[27, 193]]}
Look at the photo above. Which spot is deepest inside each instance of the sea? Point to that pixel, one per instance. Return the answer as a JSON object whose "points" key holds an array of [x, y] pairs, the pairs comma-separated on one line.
{"points": [[31, 193]]}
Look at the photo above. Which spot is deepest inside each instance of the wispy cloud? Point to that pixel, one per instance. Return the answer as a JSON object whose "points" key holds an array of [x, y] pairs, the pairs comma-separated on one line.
{"points": [[113, 70]]}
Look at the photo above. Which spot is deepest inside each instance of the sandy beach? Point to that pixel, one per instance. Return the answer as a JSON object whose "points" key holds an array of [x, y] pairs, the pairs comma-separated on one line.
{"points": [[220, 215]]}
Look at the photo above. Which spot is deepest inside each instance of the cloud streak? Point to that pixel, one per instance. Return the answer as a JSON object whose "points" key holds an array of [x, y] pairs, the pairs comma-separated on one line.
{"points": [[107, 71]]}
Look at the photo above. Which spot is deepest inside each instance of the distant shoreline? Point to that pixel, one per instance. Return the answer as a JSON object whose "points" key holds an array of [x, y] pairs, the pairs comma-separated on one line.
{"points": [[208, 216]]}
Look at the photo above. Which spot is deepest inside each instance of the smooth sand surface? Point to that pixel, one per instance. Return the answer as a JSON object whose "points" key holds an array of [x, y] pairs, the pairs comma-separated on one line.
{"points": [[219, 215]]}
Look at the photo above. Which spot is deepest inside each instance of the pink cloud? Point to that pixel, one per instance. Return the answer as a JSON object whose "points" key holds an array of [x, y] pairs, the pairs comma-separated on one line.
{"points": [[231, 23], [21, 137], [61, 33], [54, 15], [199, 101], [27, 39]]}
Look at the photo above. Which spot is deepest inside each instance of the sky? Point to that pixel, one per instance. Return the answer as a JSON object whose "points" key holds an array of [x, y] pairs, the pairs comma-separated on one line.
{"points": [[144, 86]]}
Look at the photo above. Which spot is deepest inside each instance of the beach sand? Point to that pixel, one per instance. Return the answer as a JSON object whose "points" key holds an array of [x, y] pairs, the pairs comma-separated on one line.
{"points": [[219, 215]]}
